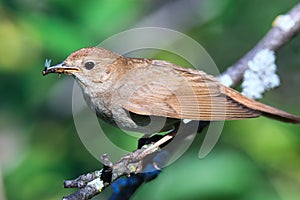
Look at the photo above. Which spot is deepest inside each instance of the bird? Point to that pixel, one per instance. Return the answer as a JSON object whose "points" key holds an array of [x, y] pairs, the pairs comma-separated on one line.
{"points": [[151, 96]]}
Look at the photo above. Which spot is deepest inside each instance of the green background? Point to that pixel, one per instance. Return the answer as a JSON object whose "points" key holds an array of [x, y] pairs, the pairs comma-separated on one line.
{"points": [[39, 148]]}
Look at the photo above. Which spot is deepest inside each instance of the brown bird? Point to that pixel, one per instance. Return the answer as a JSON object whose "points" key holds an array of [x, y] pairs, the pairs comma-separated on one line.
{"points": [[133, 93]]}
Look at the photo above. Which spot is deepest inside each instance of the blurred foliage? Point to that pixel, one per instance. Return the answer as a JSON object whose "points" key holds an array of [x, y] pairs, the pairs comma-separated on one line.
{"points": [[39, 147]]}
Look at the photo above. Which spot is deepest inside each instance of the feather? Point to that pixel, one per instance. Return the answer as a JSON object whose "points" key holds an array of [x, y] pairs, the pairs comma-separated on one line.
{"points": [[192, 94]]}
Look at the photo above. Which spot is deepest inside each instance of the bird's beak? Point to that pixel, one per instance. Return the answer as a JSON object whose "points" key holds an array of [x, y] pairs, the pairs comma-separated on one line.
{"points": [[61, 68]]}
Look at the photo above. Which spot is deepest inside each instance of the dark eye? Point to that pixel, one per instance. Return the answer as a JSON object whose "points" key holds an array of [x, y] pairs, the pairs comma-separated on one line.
{"points": [[89, 65]]}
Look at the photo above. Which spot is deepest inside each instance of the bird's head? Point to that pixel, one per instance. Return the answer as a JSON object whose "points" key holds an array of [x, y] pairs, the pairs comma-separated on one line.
{"points": [[89, 66]]}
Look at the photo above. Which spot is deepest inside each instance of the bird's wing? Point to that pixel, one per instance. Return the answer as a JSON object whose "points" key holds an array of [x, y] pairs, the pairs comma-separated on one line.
{"points": [[164, 89]]}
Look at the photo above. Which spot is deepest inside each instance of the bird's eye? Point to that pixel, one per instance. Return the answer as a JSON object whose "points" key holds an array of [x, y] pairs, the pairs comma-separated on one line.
{"points": [[89, 65]]}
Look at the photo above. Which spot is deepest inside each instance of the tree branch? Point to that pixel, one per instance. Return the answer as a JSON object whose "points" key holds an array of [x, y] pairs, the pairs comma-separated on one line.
{"points": [[130, 164], [284, 28]]}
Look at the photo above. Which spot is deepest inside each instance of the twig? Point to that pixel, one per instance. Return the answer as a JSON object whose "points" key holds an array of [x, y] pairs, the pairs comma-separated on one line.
{"points": [[93, 183], [279, 35], [82, 180]]}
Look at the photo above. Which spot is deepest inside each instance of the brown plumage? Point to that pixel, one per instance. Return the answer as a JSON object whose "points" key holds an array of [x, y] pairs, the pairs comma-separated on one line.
{"points": [[191, 96], [113, 85]]}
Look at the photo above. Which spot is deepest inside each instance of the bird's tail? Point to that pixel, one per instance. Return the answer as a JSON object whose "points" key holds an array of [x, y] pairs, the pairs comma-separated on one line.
{"points": [[266, 110]]}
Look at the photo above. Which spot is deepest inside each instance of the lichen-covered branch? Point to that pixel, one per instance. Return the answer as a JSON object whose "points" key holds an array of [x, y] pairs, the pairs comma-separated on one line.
{"points": [[284, 28], [130, 164]]}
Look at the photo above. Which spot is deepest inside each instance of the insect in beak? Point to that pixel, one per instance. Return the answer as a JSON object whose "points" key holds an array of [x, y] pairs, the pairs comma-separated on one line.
{"points": [[61, 68]]}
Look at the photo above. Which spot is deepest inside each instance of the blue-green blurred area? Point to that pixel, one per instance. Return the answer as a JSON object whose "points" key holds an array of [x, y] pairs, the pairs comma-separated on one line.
{"points": [[257, 159]]}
